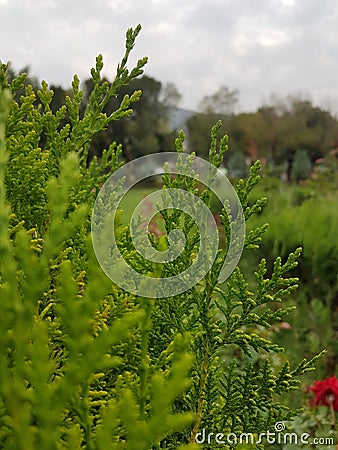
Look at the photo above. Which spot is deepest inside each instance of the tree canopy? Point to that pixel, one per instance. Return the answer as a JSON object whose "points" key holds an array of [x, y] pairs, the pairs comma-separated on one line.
{"points": [[281, 132]]}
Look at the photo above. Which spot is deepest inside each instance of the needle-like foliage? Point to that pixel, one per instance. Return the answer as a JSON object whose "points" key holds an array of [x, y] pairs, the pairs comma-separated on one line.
{"points": [[84, 364]]}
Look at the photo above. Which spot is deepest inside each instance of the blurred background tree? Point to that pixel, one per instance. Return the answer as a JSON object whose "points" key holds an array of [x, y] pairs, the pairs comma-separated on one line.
{"points": [[301, 167], [147, 130], [289, 134]]}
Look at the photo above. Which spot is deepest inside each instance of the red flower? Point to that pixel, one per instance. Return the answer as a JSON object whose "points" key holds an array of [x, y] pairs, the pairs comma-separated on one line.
{"points": [[325, 393]]}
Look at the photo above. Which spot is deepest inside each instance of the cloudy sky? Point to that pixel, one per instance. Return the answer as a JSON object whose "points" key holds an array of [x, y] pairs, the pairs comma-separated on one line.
{"points": [[260, 47]]}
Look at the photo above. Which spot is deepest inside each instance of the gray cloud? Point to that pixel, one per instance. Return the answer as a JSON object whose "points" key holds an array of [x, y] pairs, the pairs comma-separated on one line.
{"points": [[260, 47]]}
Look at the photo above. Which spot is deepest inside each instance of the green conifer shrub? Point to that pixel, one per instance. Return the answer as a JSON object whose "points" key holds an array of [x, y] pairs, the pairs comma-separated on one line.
{"points": [[84, 364], [301, 167]]}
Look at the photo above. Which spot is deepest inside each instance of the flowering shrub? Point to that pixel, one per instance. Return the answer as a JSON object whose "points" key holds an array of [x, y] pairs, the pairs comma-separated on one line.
{"points": [[319, 418], [325, 393]]}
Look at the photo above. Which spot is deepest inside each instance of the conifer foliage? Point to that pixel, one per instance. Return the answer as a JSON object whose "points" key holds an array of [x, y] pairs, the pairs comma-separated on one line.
{"points": [[84, 364]]}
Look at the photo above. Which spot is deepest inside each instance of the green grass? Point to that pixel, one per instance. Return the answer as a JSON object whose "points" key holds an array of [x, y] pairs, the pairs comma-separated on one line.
{"points": [[131, 200]]}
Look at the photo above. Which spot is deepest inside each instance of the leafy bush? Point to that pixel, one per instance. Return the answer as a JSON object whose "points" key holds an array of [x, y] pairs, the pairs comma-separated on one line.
{"points": [[306, 216], [319, 419], [84, 364]]}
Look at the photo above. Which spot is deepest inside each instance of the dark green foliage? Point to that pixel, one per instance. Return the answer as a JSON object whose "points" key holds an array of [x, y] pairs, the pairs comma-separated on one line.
{"points": [[84, 364], [237, 165], [146, 130], [301, 166]]}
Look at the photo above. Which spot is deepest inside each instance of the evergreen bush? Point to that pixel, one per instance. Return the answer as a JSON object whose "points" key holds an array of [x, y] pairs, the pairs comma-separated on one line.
{"points": [[84, 364], [301, 167]]}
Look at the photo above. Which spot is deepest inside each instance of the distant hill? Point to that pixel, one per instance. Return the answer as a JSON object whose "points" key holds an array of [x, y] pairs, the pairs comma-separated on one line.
{"points": [[178, 118]]}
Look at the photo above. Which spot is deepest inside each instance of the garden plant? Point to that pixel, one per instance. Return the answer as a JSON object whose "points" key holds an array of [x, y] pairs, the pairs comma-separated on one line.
{"points": [[87, 364]]}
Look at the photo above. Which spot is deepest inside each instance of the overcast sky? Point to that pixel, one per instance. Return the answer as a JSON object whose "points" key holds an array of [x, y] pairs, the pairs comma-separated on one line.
{"points": [[260, 47]]}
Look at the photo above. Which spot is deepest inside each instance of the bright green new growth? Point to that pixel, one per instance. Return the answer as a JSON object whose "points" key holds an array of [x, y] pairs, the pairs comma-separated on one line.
{"points": [[84, 364]]}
